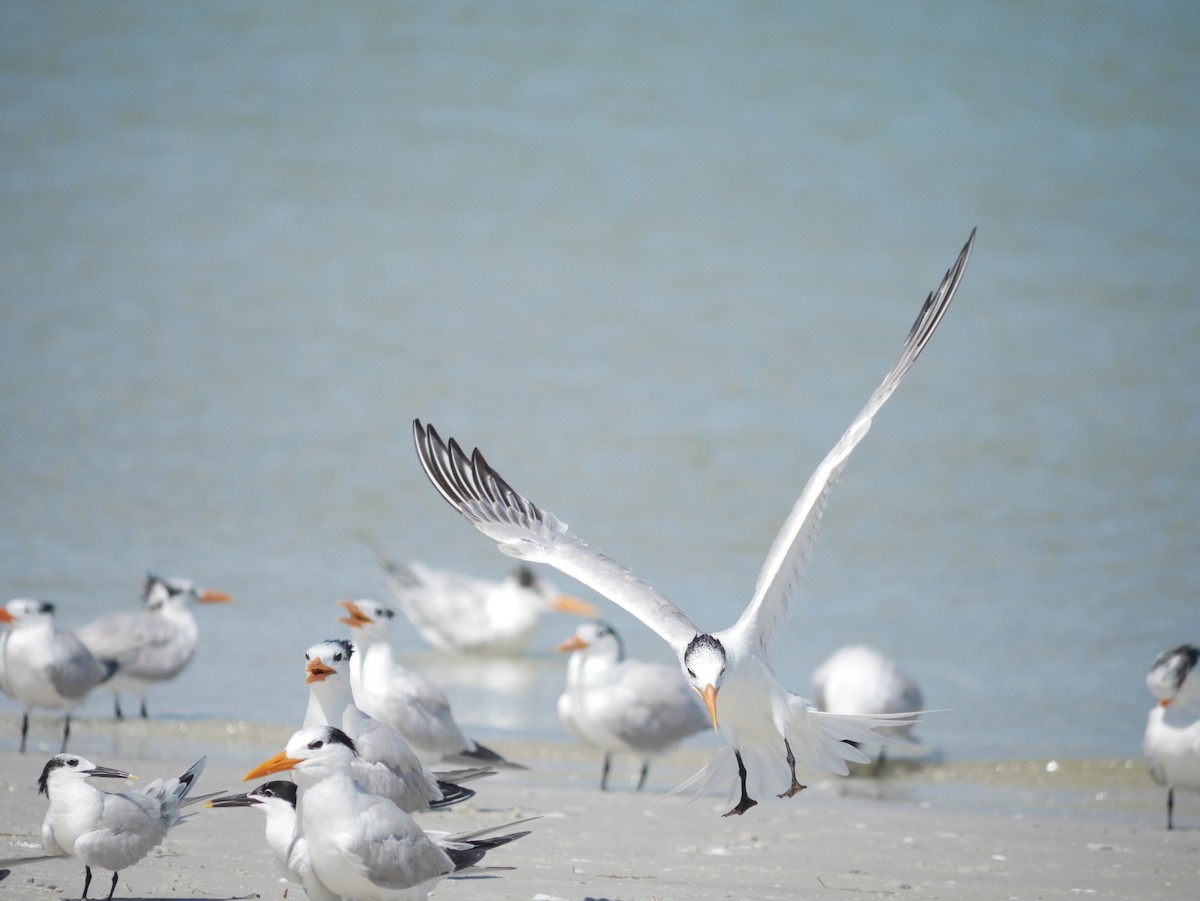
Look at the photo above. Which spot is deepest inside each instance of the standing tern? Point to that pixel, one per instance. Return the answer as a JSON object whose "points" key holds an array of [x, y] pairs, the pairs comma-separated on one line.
{"points": [[405, 700], [1172, 741], [277, 801], [385, 764], [43, 665], [152, 644], [460, 614], [359, 844], [860, 679], [624, 706], [108, 830], [757, 713]]}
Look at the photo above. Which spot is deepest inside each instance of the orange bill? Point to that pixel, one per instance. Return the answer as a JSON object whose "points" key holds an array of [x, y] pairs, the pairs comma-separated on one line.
{"points": [[276, 764], [710, 701], [356, 617], [564, 603], [574, 643], [317, 671]]}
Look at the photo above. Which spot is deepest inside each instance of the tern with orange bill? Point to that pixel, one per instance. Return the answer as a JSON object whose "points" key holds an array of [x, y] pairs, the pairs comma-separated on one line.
{"points": [[623, 706], [43, 665], [385, 764], [359, 844], [1172, 740], [403, 698], [461, 614], [769, 731], [154, 643]]}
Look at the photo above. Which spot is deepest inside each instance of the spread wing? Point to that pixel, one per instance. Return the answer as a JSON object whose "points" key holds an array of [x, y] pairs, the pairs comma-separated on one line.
{"points": [[792, 547], [523, 530]]}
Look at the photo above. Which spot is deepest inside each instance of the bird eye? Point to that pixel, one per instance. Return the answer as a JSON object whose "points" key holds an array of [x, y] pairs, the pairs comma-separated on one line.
{"points": [[389, 613], [73, 762], [313, 745], [337, 657], [690, 673]]}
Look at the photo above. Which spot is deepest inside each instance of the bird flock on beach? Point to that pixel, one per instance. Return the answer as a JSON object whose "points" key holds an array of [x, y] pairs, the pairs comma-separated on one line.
{"points": [[379, 743]]}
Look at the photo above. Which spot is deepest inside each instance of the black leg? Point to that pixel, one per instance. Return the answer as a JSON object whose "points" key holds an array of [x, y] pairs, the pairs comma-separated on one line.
{"points": [[112, 888], [145, 715], [87, 881], [604, 772], [791, 760], [24, 729], [117, 706], [645, 771], [66, 731], [746, 802], [1170, 807]]}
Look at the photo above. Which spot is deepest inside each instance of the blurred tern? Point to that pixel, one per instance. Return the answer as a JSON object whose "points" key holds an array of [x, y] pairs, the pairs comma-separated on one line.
{"points": [[359, 844], [859, 679], [1172, 741], [758, 717], [152, 644], [460, 614], [108, 830], [43, 665], [385, 764], [624, 706], [406, 700]]}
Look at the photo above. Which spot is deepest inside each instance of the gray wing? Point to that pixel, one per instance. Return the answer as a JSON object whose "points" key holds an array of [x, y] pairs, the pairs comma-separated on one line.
{"points": [[393, 851], [74, 671], [792, 547], [523, 530]]}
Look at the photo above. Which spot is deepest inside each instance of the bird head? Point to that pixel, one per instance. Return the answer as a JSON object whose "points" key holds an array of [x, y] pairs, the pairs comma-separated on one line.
{"points": [[327, 659], [1169, 672], [704, 666], [308, 749], [371, 618], [71, 766]]}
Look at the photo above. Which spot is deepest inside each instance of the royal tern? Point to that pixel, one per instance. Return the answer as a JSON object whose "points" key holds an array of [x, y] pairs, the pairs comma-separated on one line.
{"points": [[618, 705], [758, 716], [405, 700], [461, 614], [108, 830], [43, 665], [359, 844], [859, 679], [1172, 740], [152, 644], [277, 801], [385, 764]]}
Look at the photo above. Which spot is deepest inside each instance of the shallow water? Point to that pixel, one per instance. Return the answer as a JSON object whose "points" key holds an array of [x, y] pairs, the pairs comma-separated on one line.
{"points": [[651, 259]]}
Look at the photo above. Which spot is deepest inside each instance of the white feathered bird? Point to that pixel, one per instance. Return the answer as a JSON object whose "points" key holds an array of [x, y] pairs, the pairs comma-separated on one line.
{"points": [[153, 643], [759, 718], [461, 614], [108, 830], [1172, 740], [860, 679], [43, 665], [361, 845], [404, 699], [385, 764], [624, 706]]}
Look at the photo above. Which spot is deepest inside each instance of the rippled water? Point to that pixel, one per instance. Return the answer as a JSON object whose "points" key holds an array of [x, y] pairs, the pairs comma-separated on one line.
{"points": [[651, 259]]}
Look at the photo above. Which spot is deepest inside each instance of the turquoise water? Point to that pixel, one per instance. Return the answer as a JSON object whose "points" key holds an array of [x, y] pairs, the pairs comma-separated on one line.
{"points": [[651, 258]]}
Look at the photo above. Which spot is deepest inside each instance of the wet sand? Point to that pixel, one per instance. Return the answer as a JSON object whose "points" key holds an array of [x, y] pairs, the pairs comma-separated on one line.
{"points": [[1022, 830]]}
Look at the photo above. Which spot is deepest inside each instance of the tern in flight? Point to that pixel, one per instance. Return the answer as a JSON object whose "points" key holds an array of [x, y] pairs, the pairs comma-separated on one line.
{"points": [[759, 718]]}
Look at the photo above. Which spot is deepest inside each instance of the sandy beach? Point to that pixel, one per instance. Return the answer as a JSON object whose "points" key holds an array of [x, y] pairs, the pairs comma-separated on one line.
{"points": [[1022, 830]]}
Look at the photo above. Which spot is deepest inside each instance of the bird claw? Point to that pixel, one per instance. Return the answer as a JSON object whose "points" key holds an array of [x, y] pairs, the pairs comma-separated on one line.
{"points": [[795, 789], [742, 806]]}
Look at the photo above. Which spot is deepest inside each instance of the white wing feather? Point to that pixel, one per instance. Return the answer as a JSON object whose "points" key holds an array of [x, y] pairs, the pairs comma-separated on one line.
{"points": [[527, 532], [790, 552]]}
